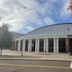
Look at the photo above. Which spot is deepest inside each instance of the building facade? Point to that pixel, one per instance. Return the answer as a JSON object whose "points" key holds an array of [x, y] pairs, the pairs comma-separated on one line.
{"points": [[49, 39]]}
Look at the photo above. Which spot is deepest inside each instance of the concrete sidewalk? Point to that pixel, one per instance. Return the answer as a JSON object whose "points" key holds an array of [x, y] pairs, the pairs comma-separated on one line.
{"points": [[8, 54]]}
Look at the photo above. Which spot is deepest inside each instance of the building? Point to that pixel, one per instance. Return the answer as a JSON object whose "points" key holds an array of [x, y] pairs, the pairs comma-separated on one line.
{"points": [[15, 36], [55, 38]]}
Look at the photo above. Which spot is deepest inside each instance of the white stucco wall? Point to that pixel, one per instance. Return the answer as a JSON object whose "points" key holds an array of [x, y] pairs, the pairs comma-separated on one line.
{"points": [[51, 31]]}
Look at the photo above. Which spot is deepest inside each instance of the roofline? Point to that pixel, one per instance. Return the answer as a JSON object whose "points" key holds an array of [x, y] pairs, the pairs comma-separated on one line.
{"points": [[48, 26]]}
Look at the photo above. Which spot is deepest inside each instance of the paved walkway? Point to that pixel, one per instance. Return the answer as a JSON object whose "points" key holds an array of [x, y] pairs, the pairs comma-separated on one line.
{"points": [[7, 54]]}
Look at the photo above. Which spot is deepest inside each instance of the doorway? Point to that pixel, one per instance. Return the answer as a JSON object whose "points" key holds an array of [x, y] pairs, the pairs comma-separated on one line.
{"points": [[62, 45], [51, 45], [70, 44], [26, 45], [41, 45], [33, 45]]}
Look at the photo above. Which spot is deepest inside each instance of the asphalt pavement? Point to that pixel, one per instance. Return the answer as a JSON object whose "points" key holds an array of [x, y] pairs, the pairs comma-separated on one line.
{"points": [[34, 66], [32, 69]]}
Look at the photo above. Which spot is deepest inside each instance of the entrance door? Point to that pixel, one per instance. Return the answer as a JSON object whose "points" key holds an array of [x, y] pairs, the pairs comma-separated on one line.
{"points": [[21, 45], [33, 45], [62, 45], [51, 45], [41, 45], [70, 44], [26, 45]]}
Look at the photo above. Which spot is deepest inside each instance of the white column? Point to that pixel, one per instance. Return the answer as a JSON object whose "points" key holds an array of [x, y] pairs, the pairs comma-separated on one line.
{"points": [[37, 45], [29, 45], [18, 45], [56, 45], [23, 45], [67, 45], [46, 45], [14, 45]]}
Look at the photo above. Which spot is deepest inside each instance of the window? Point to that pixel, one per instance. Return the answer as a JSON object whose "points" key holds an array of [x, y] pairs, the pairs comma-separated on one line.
{"points": [[41, 45], [26, 45], [50, 45]]}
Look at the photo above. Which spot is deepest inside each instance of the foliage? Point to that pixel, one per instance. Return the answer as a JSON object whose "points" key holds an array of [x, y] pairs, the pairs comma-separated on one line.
{"points": [[5, 37]]}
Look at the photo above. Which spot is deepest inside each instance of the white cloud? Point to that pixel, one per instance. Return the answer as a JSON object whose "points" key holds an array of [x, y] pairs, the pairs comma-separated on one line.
{"points": [[65, 13], [48, 21], [18, 13], [30, 28], [2, 1]]}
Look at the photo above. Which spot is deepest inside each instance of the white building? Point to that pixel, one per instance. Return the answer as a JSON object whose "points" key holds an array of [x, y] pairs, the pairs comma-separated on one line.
{"points": [[53, 38]]}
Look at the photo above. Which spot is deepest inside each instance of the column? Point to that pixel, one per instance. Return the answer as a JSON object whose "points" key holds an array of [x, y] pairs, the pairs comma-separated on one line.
{"points": [[19, 45], [37, 45], [14, 45], [67, 45], [23, 46], [29, 45], [46, 45], [56, 45]]}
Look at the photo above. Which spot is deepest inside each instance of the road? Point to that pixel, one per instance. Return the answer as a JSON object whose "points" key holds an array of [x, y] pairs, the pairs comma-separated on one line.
{"points": [[34, 66]]}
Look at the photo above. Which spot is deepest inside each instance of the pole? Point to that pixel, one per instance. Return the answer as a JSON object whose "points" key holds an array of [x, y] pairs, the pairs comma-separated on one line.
{"points": [[21, 53]]}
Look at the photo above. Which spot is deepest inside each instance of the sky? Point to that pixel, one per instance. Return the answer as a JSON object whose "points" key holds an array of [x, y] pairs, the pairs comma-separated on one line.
{"points": [[26, 15]]}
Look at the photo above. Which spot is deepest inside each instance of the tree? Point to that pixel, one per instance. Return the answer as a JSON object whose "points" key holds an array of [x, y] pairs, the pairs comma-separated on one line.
{"points": [[5, 38]]}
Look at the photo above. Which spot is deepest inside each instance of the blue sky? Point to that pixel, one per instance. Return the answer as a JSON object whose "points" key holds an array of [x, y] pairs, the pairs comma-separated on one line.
{"points": [[26, 15]]}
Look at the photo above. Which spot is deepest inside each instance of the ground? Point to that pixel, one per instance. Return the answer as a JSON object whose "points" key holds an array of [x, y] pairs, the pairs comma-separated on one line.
{"points": [[12, 61], [34, 66]]}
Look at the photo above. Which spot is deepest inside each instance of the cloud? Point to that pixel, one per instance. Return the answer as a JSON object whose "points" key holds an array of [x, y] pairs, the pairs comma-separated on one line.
{"points": [[30, 14], [17, 12], [65, 13], [21, 13], [2, 1], [48, 21]]}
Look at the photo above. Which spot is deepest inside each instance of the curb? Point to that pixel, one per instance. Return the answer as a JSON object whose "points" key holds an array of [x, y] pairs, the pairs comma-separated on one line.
{"points": [[35, 59]]}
